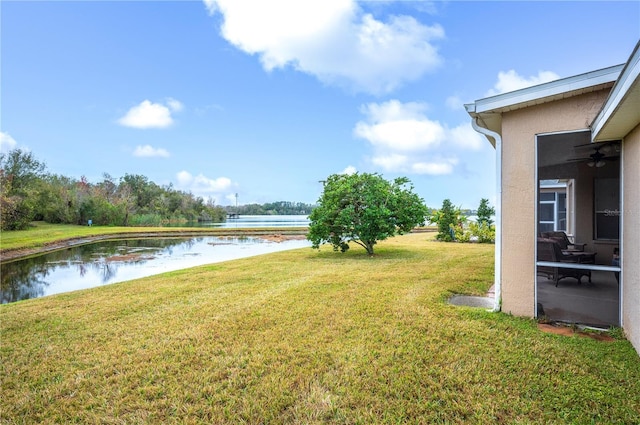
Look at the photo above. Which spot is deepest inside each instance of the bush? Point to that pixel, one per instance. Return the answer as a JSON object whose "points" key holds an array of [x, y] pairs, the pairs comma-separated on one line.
{"points": [[16, 213], [486, 233], [475, 232]]}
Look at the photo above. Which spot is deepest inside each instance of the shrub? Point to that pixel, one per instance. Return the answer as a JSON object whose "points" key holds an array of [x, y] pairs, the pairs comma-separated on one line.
{"points": [[448, 219]]}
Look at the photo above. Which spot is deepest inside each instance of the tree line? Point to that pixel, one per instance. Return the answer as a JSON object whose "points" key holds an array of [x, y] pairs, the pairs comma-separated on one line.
{"points": [[272, 208], [28, 192]]}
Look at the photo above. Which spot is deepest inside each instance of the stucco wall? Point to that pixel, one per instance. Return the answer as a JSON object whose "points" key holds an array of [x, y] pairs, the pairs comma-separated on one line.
{"points": [[631, 235], [519, 128]]}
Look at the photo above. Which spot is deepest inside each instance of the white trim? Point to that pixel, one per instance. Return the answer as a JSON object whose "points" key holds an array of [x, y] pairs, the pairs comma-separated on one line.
{"points": [[627, 78], [559, 132], [571, 208], [540, 91], [551, 187], [581, 266], [536, 191], [498, 244], [621, 237]]}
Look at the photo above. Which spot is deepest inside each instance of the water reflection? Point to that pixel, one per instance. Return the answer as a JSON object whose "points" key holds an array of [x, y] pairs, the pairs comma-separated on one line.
{"points": [[117, 261], [253, 221]]}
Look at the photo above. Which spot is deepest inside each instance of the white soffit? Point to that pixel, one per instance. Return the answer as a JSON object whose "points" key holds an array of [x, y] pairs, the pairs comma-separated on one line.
{"points": [[621, 112]]}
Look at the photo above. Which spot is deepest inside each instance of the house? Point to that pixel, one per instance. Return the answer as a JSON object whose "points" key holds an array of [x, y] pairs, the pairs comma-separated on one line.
{"points": [[568, 160]]}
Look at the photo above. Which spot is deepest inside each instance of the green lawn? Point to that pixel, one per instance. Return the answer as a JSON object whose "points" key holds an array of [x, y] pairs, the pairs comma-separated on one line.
{"points": [[306, 337]]}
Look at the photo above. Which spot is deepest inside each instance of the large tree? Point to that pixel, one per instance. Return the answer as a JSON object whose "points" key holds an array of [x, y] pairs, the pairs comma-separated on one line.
{"points": [[364, 208], [20, 174]]}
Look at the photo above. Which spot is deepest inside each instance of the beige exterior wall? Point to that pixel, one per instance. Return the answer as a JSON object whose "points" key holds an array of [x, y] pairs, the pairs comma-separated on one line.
{"points": [[631, 237], [519, 129]]}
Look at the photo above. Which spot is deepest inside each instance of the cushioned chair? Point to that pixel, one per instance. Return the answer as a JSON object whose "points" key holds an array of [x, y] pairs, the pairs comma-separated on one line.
{"points": [[550, 250], [563, 240]]}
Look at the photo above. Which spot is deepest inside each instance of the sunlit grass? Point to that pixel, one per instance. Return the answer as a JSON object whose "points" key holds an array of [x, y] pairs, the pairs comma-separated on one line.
{"points": [[306, 337]]}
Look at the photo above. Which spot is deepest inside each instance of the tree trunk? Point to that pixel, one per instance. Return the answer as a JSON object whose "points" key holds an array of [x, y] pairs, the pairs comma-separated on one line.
{"points": [[369, 247]]}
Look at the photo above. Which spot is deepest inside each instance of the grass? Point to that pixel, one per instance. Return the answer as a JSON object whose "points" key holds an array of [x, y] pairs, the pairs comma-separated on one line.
{"points": [[306, 337]]}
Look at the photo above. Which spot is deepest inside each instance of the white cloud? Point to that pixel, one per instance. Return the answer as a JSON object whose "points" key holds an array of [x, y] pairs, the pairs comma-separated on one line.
{"points": [[7, 142], [149, 151], [434, 168], [334, 40], [405, 140], [201, 184], [510, 81], [466, 137], [349, 170], [404, 164], [151, 115], [174, 105], [399, 126], [391, 162], [454, 103]]}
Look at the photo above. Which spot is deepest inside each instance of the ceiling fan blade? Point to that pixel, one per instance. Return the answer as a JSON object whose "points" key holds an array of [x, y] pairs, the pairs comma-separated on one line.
{"points": [[596, 145]]}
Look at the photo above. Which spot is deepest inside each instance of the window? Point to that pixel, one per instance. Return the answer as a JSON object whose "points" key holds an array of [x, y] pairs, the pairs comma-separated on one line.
{"points": [[607, 208], [552, 208]]}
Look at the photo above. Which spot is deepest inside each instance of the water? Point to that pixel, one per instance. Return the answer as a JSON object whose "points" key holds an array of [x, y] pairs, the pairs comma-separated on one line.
{"points": [[253, 221], [104, 263]]}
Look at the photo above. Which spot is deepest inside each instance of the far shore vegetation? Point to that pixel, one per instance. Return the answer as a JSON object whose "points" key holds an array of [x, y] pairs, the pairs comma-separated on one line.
{"points": [[310, 337], [29, 193]]}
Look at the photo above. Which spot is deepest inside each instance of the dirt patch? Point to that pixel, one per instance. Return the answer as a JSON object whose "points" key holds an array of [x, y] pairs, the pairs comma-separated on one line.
{"points": [[568, 331], [282, 238]]}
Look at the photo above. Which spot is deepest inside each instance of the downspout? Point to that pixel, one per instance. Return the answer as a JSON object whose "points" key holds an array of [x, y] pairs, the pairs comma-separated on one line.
{"points": [[498, 249]]}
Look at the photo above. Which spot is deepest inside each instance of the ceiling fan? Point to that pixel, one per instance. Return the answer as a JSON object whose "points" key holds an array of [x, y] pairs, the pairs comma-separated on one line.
{"points": [[597, 158]]}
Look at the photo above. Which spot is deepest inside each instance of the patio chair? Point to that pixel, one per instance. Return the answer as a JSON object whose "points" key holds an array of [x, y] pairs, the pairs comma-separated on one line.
{"points": [[563, 240], [550, 250]]}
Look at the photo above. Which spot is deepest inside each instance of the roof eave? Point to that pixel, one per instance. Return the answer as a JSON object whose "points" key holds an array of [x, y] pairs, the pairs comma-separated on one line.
{"points": [[547, 92], [621, 111]]}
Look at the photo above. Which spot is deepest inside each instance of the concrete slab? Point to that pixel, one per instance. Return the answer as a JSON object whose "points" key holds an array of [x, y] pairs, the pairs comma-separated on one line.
{"points": [[471, 301], [594, 304]]}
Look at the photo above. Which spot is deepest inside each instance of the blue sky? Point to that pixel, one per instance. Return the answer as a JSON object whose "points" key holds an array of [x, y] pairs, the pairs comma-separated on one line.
{"points": [[267, 98]]}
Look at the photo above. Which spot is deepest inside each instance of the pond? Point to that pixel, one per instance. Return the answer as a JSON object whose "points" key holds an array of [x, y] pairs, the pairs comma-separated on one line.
{"points": [[253, 221], [103, 263]]}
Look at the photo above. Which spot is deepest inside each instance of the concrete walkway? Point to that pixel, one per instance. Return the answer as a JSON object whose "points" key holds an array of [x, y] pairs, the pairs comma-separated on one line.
{"points": [[474, 301]]}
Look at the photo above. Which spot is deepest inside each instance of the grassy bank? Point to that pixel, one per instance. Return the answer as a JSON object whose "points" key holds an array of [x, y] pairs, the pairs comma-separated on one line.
{"points": [[306, 337]]}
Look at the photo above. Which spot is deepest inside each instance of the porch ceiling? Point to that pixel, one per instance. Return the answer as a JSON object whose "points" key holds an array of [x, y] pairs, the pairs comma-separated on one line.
{"points": [[561, 149]]}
